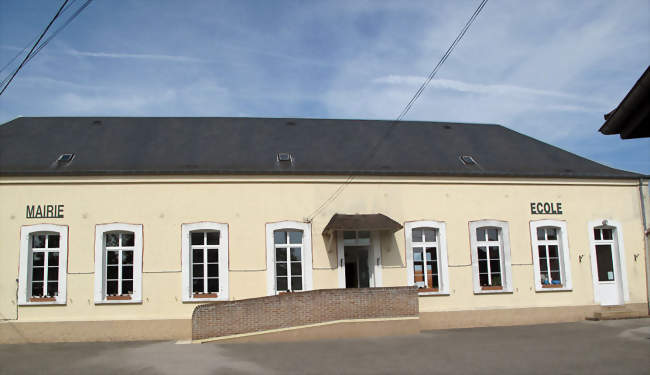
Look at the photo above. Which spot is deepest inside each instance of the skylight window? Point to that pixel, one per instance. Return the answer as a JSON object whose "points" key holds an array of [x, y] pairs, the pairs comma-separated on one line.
{"points": [[468, 160], [284, 157], [65, 158]]}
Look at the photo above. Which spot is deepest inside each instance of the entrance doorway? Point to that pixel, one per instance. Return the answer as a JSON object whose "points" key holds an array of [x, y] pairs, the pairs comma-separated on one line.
{"points": [[607, 271], [357, 269]]}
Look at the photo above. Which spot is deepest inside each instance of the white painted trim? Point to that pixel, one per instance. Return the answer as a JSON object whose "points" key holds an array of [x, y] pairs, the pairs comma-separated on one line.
{"points": [[443, 263], [618, 240], [307, 265], [374, 256], [505, 243], [100, 294], [375, 246], [23, 271], [340, 258], [186, 260], [565, 261], [256, 179]]}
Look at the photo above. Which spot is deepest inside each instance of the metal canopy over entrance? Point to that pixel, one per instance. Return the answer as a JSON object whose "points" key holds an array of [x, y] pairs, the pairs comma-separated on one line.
{"points": [[369, 222], [358, 239]]}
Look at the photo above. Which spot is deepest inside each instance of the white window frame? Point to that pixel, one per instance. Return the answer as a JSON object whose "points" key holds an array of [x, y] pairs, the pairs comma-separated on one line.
{"points": [[617, 236], [100, 262], [307, 266], [563, 253], [443, 265], [506, 271], [186, 259], [24, 274]]}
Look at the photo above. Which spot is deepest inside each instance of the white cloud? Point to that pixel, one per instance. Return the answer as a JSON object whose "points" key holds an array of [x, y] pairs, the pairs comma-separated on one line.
{"points": [[484, 89], [139, 56]]}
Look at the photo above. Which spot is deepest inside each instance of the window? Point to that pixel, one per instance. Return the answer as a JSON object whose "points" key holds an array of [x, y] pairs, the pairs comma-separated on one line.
{"points": [[490, 256], [356, 238], [43, 262], [550, 255], [118, 263], [426, 254], [289, 265], [205, 261]]}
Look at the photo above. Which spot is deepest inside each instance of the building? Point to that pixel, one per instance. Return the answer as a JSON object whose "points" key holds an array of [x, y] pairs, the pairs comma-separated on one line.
{"points": [[118, 228], [631, 118]]}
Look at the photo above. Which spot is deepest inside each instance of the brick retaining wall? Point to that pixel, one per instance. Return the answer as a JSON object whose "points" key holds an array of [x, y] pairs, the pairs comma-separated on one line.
{"points": [[302, 308]]}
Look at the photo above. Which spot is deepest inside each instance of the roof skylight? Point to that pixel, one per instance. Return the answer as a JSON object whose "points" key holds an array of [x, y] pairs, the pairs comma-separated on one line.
{"points": [[65, 158], [468, 160]]}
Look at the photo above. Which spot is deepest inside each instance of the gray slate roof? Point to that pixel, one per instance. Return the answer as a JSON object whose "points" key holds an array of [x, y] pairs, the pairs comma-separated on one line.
{"points": [[220, 145]]}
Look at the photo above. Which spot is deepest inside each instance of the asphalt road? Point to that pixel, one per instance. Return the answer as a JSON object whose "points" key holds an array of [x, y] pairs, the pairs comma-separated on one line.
{"points": [[610, 347]]}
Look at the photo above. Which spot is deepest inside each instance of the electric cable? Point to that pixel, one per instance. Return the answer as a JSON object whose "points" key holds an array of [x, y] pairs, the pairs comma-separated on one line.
{"points": [[55, 33], [34, 51], [31, 42], [402, 114], [35, 44]]}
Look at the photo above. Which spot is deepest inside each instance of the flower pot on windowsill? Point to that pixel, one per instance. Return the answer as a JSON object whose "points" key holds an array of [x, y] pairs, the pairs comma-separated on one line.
{"points": [[552, 286], [205, 295], [492, 287], [428, 290], [118, 298], [42, 299]]}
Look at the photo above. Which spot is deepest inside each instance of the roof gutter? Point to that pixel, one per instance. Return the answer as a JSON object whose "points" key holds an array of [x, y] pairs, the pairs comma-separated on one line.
{"points": [[644, 196]]}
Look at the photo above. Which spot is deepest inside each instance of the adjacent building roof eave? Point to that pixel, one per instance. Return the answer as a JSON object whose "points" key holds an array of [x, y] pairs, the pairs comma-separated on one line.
{"points": [[631, 119]]}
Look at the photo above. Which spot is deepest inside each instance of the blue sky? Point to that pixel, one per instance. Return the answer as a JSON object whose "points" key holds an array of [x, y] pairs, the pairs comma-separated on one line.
{"points": [[549, 69]]}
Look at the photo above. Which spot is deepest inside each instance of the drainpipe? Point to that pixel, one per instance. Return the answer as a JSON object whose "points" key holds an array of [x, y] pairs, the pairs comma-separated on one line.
{"points": [[645, 240]]}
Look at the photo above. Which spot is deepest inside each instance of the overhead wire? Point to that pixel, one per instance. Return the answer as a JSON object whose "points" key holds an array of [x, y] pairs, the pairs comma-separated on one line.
{"points": [[33, 47], [63, 26], [402, 114], [31, 42], [38, 47]]}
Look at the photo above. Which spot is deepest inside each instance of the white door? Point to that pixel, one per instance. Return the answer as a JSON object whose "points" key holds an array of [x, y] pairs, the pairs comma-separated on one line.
{"points": [[608, 270]]}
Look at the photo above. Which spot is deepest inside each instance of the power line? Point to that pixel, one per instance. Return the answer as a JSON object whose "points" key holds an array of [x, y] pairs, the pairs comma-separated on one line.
{"points": [[30, 52], [54, 34], [57, 31], [404, 112], [31, 42], [35, 50]]}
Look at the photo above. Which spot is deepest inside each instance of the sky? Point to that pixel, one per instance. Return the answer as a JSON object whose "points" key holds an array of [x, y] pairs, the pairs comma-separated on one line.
{"points": [[548, 69]]}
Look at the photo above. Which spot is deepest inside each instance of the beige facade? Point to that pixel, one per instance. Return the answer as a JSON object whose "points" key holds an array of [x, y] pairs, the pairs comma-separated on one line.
{"points": [[246, 204]]}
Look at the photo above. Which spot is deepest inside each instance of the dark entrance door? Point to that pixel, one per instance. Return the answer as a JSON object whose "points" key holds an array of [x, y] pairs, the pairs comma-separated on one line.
{"points": [[357, 270]]}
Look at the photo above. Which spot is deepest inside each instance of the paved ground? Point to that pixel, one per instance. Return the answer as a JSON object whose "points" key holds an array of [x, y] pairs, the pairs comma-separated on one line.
{"points": [[611, 347]]}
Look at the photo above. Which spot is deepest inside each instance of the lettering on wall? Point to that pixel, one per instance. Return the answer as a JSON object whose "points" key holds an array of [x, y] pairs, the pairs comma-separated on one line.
{"points": [[44, 211], [546, 208]]}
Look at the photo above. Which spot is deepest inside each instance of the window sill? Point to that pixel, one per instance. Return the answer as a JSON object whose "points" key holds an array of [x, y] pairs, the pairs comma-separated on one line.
{"points": [[42, 299], [492, 290], [205, 295], [119, 298], [499, 288]]}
